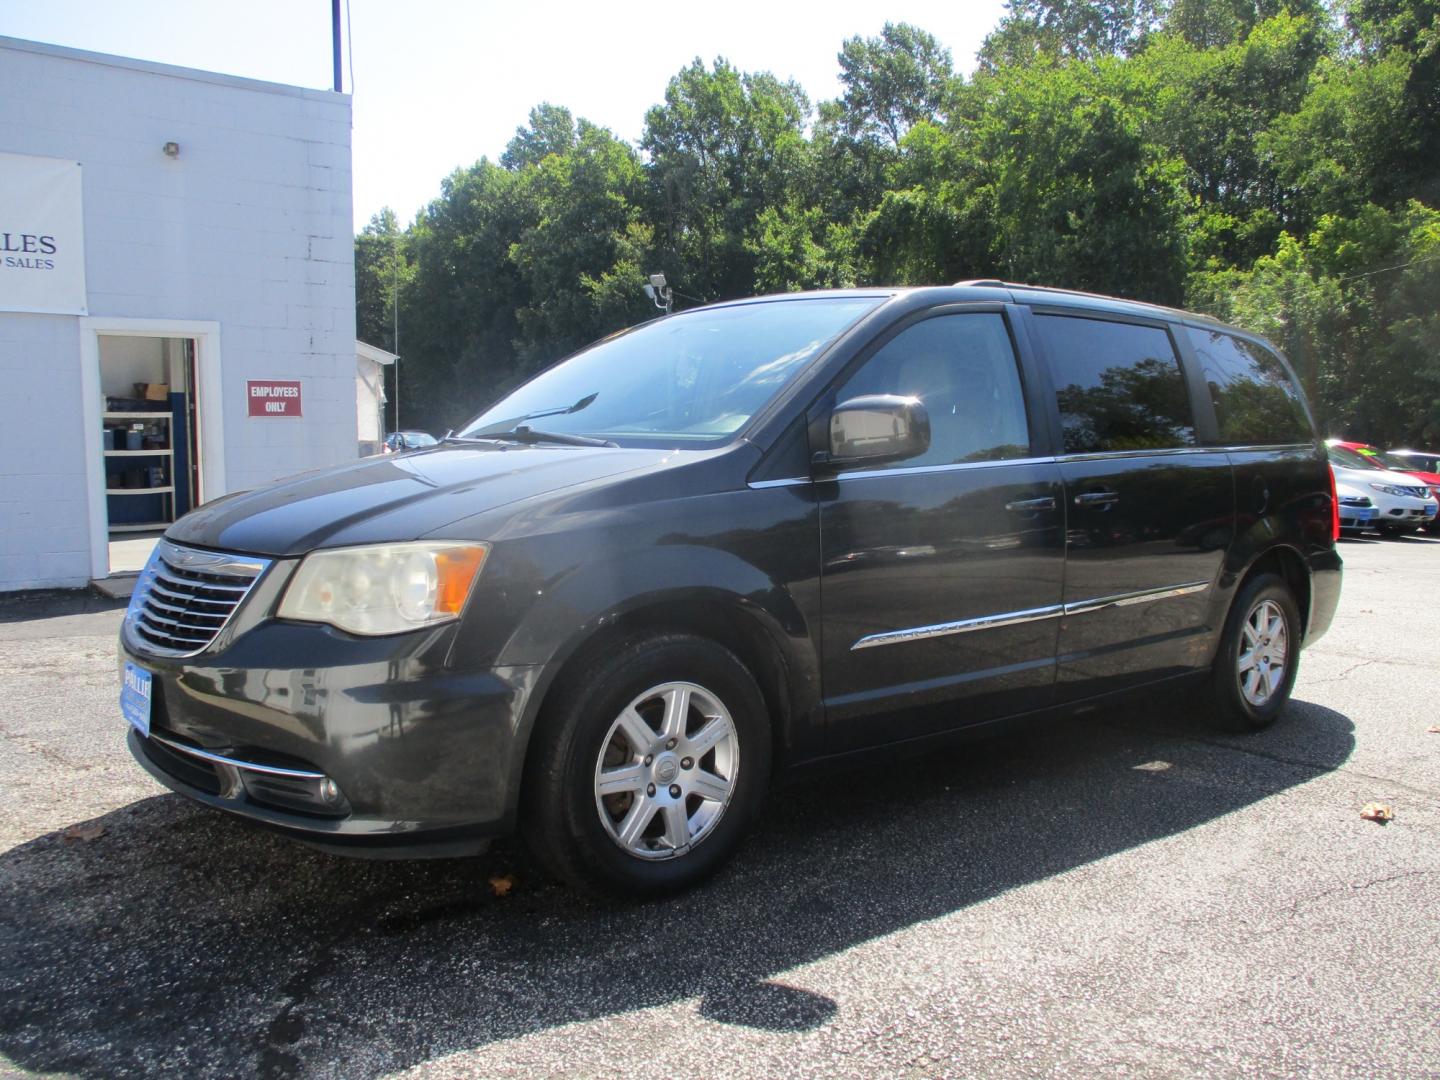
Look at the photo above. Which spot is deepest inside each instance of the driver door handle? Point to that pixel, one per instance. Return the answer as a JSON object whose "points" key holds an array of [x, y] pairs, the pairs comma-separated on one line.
{"points": [[1030, 506]]}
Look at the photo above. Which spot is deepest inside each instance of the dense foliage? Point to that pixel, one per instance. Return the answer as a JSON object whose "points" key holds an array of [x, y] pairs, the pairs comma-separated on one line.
{"points": [[1274, 162]]}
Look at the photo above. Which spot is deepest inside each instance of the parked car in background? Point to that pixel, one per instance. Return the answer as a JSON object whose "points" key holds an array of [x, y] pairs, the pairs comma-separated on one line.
{"points": [[1405, 504], [1357, 510], [753, 536], [397, 441], [1418, 461], [1387, 459], [1422, 466]]}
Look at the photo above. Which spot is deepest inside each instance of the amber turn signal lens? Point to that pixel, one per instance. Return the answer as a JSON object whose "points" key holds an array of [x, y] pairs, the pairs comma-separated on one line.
{"points": [[456, 569]]}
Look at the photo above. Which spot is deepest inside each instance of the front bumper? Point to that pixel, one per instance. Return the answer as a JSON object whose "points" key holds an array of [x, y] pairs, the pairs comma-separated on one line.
{"points": [[420, 756], [1357, 517]]}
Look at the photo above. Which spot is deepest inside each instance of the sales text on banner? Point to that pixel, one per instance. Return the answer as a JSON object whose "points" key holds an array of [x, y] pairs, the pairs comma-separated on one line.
{"points": [[42, 243]]}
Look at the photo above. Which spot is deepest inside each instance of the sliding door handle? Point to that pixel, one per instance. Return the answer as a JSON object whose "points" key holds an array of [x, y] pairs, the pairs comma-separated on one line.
{"points": [[1099, 500]]}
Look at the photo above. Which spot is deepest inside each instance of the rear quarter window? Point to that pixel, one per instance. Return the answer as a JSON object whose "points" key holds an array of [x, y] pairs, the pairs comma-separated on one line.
{"points": [[1256, 404]]}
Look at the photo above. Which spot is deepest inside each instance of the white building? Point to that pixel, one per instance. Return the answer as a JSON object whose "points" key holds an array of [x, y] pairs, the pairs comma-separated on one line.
{"points": [[370, 365], [177, 297]]}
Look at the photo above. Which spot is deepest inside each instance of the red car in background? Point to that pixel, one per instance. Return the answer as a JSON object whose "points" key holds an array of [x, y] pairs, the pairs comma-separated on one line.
{"points": [[1416, 463]]}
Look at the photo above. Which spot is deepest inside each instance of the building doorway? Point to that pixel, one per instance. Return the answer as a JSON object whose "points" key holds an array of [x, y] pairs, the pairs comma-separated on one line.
{"points": [[155, 428]]}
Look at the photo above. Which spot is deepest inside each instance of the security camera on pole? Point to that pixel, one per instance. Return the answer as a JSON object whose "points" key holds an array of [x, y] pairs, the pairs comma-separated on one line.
{"points": [[660, 293]]}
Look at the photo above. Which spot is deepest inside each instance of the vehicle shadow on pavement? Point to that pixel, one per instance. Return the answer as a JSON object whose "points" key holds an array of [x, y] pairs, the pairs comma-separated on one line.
{"points": [[179, 941]]}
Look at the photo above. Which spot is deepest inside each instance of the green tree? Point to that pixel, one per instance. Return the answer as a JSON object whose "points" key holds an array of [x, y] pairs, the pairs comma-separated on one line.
{"points": [[892, 82], [1067, 30], [1080, 197], [724, 146]]}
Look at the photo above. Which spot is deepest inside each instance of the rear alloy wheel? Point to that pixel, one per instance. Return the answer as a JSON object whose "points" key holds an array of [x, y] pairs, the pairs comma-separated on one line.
{"points": [[1261, 665], [648, 768], [1259, 652]]}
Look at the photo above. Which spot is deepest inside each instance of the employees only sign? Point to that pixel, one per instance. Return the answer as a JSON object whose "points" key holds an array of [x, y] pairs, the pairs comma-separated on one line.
{"points": [[273, 397], [42, 246]]}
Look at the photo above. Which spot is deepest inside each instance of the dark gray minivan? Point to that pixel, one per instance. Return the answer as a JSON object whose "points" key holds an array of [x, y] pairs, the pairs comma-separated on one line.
{"points": [[747, 537]]}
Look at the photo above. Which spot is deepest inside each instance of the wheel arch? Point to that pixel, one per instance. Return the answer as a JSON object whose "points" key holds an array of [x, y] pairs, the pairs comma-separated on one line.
{"points": [[1290, 565], [763, 627]]}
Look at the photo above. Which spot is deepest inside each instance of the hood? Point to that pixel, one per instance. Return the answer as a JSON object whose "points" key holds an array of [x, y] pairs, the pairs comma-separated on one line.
{"points": [[1433, 479], [397, 497], [1362, 478]]}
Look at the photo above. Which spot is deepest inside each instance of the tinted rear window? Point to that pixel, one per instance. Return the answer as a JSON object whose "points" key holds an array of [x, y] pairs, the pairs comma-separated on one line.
{"points": [[1256, 404], [1118, 385]]}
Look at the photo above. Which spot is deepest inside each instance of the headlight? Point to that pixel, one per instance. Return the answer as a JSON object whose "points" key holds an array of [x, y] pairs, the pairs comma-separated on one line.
{"points": [[386, 588], [1389, 490]]}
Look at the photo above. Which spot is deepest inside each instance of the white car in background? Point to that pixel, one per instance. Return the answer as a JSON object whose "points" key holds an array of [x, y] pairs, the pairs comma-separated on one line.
{"points": [[1357, 510], [1403, 503]]}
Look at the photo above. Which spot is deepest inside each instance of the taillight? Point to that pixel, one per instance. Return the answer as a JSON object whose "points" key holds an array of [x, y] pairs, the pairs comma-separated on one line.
{"points": [[1334, 508]]}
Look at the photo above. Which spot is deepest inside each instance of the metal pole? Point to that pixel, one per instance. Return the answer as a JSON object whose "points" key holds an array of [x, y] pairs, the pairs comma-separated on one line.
{"points": [[335, 40], [395, 311]]}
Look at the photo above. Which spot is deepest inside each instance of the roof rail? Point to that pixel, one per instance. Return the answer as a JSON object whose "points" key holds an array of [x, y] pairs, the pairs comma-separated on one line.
{"points": [[982, 281]]}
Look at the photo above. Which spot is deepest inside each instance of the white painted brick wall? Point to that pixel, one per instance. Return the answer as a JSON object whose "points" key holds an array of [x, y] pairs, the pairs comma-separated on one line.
{"points": [[250, 227]]}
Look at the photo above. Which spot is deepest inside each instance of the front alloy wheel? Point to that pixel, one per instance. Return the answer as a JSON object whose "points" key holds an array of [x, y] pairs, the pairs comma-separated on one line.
{"points": [[648, 765], [666, 770]]}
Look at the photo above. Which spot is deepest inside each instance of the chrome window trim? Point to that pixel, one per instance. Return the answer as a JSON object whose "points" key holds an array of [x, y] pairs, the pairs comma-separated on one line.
{"points": [[1014, 618], [797, 481], [236, 763], [1168, 451], [913, 470], [1256, 447], [958, 466]]}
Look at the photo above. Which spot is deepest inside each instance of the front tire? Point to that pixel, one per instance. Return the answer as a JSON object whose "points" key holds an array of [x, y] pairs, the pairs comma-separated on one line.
{"points": [[1259, 654], [648, 769]]}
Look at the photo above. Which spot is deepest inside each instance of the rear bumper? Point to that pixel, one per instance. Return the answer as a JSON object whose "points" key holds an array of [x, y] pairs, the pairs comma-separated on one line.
{"points": [[420, 757]]}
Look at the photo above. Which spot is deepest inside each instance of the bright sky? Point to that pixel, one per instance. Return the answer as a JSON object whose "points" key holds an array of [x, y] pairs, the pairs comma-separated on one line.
{"points": [[441, 83]]}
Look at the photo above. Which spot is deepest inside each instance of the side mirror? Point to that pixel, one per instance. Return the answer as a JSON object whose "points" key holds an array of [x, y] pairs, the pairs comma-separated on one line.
{"points": [[874, 429]]}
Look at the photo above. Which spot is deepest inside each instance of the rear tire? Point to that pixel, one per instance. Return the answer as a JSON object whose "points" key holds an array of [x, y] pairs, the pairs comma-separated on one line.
{"points": [[1259, 655], [647, 769]]}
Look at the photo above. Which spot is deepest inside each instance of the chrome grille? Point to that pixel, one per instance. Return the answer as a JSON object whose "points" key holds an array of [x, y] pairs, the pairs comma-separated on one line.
{"points": [[185, 596]]}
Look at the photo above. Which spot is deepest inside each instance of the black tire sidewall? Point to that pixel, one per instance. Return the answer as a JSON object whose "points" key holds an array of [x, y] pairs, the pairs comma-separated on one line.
{"points": [[571, 839], [1235, 712]]}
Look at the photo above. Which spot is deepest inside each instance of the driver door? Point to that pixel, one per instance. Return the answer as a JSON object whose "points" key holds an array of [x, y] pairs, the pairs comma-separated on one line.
{"points": [[942, 574]]}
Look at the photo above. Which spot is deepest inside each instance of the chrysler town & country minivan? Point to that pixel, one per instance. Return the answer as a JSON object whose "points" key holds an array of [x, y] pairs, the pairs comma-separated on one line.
{"points": [[742, 538]]}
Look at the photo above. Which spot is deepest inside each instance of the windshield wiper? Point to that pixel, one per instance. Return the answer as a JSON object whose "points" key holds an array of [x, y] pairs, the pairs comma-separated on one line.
{"points": [[523, 433]]}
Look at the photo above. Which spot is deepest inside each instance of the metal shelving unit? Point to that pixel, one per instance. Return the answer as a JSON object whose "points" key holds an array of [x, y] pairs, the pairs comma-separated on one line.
{"points": [[167, 491]]}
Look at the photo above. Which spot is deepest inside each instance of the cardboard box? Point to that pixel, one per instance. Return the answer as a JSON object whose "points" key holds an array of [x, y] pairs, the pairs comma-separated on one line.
{"points": [[153, 391]]}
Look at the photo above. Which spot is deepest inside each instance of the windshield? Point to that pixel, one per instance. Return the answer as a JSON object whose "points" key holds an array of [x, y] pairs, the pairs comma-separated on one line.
{"points": [[1349, 459], [1390, 461], [696, 377]]}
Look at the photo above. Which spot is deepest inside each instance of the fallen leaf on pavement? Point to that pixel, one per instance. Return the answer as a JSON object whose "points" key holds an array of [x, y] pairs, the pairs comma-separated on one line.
{"points": [[84, 832], [501, 884], [1377, 811]]}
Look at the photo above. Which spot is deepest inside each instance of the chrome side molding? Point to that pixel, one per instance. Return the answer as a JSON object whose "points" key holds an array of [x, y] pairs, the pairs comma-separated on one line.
{"points": [[1013, 618], [1144, 596]]}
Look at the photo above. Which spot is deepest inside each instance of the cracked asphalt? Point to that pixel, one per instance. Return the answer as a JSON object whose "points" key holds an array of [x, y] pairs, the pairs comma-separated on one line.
{"points": [[1122, 892]]}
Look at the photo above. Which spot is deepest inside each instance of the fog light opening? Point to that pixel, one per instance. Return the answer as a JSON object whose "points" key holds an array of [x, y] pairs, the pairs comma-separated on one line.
{"points": [[329, 791]]}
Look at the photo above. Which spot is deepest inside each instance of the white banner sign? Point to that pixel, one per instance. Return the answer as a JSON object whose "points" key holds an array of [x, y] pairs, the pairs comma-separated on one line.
{"points": [[42, 246]]}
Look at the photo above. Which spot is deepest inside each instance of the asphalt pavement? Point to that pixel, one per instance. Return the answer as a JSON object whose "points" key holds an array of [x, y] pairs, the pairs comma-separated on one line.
{"points": [[1120, 893]]}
